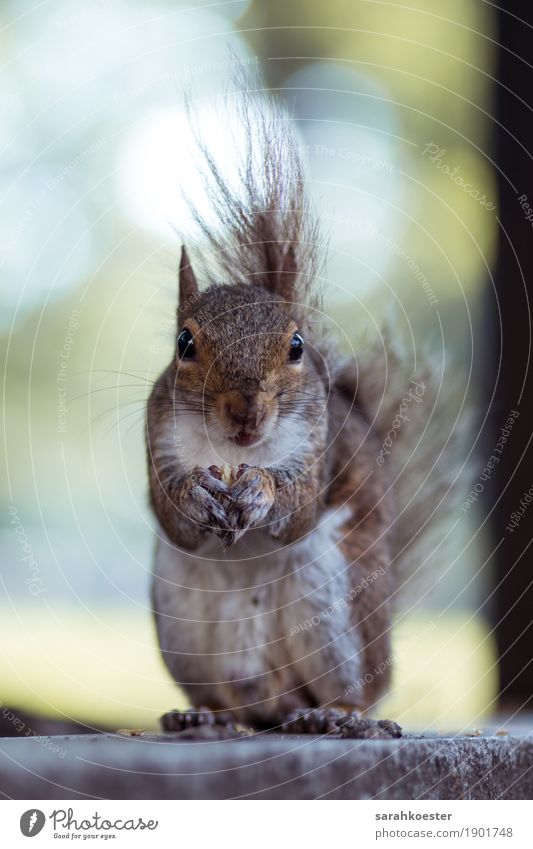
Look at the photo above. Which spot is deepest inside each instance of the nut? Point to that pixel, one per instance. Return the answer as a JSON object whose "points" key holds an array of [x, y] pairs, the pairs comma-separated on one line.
{"points": [[228, 474]]}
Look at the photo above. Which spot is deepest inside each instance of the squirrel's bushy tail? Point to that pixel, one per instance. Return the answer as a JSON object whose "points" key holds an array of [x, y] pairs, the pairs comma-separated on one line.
{"points": [[264, 212], [258, 223], [421, 425]]}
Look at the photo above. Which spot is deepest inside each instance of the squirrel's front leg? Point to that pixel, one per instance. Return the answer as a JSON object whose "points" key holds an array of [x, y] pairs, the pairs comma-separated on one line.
{"points": [[280, 500], [190, 505]]}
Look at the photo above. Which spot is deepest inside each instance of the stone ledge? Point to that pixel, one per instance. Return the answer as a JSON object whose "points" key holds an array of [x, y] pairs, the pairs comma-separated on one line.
{"points": [[267, 767]]}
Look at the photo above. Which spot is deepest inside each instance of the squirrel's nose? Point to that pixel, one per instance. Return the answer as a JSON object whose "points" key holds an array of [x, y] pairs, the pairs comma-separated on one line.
{"points": [[236, 413], [245, 411]]}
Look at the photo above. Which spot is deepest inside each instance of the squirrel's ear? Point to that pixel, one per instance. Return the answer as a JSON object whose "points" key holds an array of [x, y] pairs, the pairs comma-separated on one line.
{"points": [[188, 287], [288, 275]]}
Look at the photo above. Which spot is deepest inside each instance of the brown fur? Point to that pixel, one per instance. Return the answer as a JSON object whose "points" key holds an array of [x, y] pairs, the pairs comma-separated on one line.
{"points": [[242, 382]]}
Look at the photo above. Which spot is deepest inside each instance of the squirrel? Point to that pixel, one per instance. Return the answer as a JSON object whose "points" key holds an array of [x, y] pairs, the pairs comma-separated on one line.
{"points": [[286, 533]]}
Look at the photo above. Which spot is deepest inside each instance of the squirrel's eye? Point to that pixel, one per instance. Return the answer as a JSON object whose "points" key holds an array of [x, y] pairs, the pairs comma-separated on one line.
{"points": [[186, 345], [297, 348]]}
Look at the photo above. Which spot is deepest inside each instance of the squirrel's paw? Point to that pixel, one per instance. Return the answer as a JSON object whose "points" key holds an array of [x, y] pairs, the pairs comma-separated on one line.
{"points": [[313, 721], [362, 728], [252, 498], [338, 722], [204, 502], [181, 720], [201, 724]]}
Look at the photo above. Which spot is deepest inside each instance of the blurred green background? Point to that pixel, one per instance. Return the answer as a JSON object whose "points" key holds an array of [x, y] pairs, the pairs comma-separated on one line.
{"points": [[387, 101]]}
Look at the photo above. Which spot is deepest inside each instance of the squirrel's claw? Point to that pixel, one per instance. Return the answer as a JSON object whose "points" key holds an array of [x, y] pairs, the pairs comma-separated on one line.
{"points": [[206, 501], [228, 537], [252, 500], [206, 510], [207, 480]]}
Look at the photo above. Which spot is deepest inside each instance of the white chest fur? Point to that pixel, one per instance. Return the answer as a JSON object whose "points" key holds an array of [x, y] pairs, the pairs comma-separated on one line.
{"points": [[261, 627]]}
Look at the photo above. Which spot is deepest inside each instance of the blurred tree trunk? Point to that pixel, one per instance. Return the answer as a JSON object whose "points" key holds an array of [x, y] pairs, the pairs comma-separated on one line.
{"points": [[512, 340]]}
